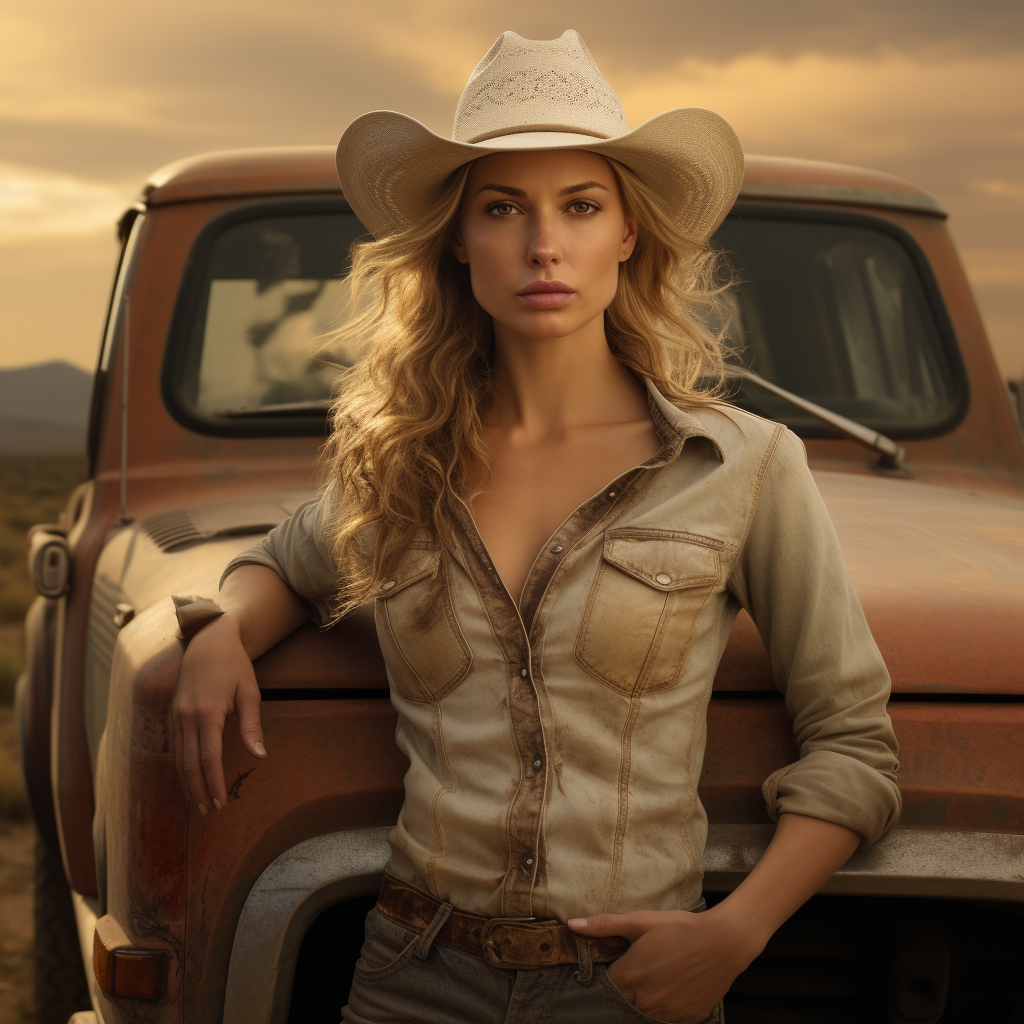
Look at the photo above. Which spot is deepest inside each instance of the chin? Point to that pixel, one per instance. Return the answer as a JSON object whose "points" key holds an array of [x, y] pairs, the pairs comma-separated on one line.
{"points": [[542, 324]]}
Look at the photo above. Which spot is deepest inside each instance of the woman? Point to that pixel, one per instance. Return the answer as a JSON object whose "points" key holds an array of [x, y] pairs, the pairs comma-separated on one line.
{"points": [[558, 527]]}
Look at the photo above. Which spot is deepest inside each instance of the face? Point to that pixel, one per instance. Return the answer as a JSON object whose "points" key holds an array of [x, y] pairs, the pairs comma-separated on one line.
{"points": [[543, 234]]}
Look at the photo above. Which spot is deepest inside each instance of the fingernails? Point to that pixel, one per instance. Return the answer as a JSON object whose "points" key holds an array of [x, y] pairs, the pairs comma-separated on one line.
{"points": [[260, 749], [578, 922], [216, 803], [202, 808]]}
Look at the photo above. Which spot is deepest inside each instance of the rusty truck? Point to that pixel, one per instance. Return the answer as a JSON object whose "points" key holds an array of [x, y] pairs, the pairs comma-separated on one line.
{"points": [[855, 325]]}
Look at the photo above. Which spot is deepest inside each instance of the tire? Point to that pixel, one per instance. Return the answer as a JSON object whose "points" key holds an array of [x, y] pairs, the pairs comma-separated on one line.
{"points": [[59, 981]]}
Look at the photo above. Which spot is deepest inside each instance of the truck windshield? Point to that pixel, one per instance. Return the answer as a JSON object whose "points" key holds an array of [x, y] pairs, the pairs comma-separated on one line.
{"points": [[839, 314], [836, 312], [265, 295]]}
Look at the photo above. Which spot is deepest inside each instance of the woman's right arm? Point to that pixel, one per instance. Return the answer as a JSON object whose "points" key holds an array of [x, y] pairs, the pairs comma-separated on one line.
{"points": [[266, 593], [216, 677]]}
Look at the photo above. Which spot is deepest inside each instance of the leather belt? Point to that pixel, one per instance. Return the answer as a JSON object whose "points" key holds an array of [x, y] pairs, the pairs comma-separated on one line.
{"points": [[513, 943]]}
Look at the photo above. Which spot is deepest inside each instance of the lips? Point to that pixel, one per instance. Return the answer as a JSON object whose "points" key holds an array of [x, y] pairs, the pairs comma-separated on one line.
{"points": [[546, 294]]}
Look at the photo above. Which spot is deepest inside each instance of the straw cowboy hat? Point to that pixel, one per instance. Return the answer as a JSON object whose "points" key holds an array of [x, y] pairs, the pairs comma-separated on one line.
{"points": [[540, 94]]}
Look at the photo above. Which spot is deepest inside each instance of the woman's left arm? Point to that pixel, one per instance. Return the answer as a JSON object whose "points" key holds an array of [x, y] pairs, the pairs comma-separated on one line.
{"points": [[680, 964], [791, 577]]}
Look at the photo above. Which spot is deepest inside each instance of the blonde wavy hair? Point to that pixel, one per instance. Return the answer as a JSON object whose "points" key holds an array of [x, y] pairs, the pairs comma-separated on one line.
{"points": [[406, 421]]}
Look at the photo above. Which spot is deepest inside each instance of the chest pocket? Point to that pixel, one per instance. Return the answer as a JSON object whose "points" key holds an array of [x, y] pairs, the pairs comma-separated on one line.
{"points": [[643, 606], [419, 634]]}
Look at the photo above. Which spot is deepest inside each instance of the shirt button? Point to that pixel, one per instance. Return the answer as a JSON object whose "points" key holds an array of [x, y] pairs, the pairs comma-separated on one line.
{"points": [[611, 494], [523, 673], [556, 549], [389, 584], [537, 763], [663, 578]]}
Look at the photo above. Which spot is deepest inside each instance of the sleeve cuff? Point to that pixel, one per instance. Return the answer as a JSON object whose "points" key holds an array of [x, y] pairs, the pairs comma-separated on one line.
{"points": [[839, 788], [193, 613]]}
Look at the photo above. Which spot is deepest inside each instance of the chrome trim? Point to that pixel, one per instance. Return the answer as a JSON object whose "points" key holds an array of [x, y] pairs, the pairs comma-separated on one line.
{"points": [[940, 863], [917, 201], [284, 902]]}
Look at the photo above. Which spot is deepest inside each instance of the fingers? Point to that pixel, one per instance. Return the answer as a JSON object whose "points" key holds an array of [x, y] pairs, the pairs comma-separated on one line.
{"points": [[211, 735], [629, 926], [179, 750], [247, 704], [191, 764]]}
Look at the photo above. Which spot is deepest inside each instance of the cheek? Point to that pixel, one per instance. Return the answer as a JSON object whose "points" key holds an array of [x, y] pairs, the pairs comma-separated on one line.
{"points": [[492, 266], [599, 260]]}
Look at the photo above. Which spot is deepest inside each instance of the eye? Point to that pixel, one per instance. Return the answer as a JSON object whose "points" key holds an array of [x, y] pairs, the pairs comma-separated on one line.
{"points": [[502, 208], [583, 206]]}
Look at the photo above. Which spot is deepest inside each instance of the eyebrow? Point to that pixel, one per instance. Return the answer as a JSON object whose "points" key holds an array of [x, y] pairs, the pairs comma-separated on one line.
{"points": [[519, 193]]}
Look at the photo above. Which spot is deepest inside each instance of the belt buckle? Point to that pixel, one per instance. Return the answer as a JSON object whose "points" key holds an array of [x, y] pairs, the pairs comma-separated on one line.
{"points": [[497, 950]]}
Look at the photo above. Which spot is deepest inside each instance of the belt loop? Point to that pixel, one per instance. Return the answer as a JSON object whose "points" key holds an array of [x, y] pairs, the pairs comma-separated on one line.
{"points": [[586, 972], [426, 939]]}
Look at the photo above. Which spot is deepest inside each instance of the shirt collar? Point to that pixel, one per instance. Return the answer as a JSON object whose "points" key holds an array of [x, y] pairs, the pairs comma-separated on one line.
{"points": [[669, 417]]}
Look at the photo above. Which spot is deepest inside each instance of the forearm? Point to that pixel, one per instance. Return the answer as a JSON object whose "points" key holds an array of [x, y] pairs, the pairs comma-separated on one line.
{"points": [[803, 854], [261, 606]]}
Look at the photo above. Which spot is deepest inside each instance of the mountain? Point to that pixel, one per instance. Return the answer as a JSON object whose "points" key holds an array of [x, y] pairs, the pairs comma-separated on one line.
{"points": [[44, 408]]}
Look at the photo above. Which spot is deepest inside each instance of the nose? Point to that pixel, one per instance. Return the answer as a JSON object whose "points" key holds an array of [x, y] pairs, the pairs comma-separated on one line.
{"points": [[544, 250]]}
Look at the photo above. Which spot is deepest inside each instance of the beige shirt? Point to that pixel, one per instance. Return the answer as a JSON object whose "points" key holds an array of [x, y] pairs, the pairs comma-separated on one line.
{"points": [[555, 748]]}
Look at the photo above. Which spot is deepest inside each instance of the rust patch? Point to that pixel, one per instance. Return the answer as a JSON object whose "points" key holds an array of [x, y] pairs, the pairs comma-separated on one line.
{"points": [[234, 792]]}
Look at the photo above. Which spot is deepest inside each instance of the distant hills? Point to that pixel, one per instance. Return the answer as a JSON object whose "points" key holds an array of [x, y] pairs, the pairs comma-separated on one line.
{"points": [[44, 408]]}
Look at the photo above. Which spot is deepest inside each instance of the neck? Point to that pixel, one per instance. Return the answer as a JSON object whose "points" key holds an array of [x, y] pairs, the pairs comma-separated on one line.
{"points": [[544, 387]]}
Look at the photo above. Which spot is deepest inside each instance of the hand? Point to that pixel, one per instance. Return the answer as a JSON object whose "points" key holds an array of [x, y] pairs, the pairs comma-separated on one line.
{"points": [[680, 964], [215, 679]]}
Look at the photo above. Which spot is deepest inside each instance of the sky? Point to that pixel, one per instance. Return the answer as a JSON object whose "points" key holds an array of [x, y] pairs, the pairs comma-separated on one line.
{"points": [[93, 97]]}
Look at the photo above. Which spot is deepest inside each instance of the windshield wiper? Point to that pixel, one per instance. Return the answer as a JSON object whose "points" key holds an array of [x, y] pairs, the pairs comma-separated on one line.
{"points": [[312, 407], [890, 454]]}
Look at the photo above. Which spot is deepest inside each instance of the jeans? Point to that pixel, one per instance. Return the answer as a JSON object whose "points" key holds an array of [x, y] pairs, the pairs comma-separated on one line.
{"points": [[404, 977]]}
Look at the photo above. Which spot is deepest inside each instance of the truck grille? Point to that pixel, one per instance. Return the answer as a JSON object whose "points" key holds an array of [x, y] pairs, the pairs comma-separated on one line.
{"points": [[855, 960]]}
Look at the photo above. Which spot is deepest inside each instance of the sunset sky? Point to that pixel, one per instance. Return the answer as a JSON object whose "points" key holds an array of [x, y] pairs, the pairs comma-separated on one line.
{"points": [[95, 96]]}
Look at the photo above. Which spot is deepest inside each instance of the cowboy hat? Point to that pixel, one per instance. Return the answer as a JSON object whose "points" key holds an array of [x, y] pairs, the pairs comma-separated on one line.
{"points": [[540, 94]]}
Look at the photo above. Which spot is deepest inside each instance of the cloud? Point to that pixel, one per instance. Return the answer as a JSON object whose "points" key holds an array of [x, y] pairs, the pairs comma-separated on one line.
{"points": [[994, 267], [859, 108], [1000, 189], [36, 204]]}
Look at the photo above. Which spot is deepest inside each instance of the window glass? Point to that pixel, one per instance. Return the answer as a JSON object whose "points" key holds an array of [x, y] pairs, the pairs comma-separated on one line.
{"points": [[836, 313], [272, 292]]}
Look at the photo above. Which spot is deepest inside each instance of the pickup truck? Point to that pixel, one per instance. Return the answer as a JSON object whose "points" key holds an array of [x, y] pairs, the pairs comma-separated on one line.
{"points": [[852, 322]]}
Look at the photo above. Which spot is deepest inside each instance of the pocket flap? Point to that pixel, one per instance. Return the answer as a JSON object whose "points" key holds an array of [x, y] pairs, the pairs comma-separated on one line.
{"points": [[665, 559], [415, 564]]}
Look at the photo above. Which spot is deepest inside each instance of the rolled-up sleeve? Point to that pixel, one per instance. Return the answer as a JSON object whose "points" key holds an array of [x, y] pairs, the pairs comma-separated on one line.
{"points": [[791, 578], [298, 552]]}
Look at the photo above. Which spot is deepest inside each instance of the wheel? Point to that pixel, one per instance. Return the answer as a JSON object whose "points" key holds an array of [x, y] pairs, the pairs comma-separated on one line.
{"points": [[60, 985]]}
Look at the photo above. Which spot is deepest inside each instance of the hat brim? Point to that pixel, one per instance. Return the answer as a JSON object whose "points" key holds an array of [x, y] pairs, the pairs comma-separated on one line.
{"points": [[392, 167]]}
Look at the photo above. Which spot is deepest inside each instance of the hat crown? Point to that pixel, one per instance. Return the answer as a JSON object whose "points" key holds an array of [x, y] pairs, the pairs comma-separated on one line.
{"points": [[530, 85]]}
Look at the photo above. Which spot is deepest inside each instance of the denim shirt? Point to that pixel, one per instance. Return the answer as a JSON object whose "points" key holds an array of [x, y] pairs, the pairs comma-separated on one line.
{"points": [[555, 747]]}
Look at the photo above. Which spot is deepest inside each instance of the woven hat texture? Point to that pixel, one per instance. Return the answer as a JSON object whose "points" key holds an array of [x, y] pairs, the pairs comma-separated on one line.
{"points": [[540, 94]]}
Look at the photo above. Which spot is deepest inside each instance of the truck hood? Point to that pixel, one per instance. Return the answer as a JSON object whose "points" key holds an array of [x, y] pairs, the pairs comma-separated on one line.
{"points": [[938, 570]]}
